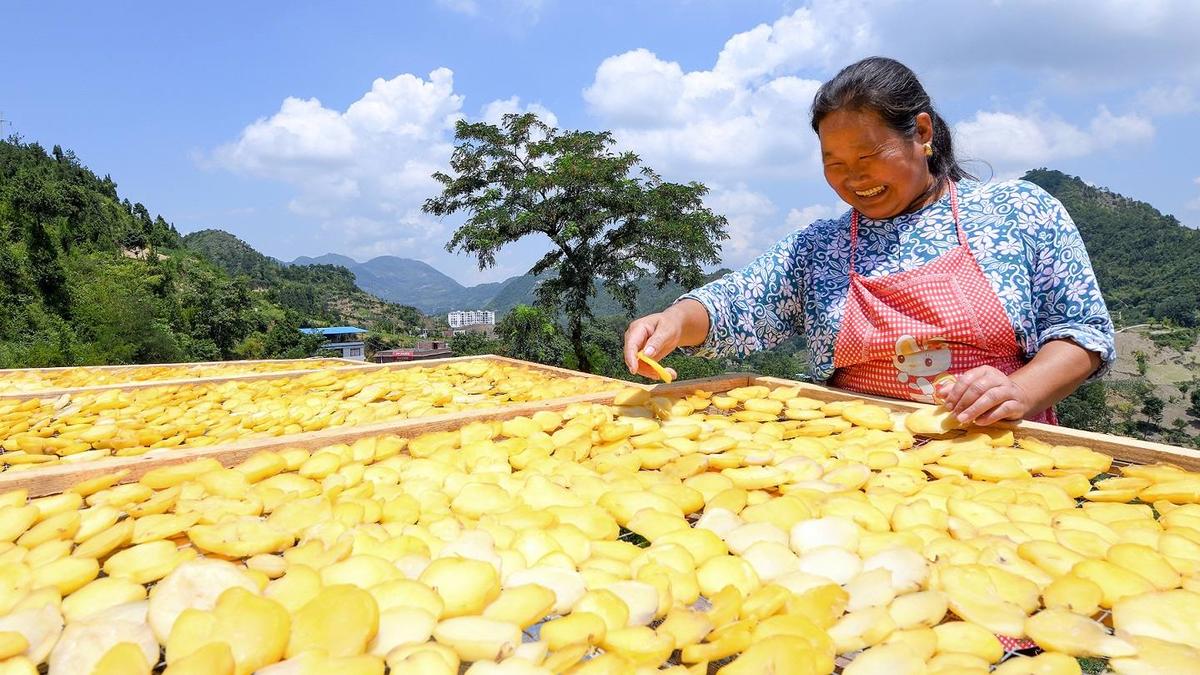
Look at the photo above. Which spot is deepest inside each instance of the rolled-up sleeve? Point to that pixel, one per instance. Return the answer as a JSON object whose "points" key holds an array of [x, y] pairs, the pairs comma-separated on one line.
{"points": [[1067, 303], [758, 306]]}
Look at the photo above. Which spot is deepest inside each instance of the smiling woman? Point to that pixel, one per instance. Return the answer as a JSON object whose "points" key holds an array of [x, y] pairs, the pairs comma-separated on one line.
{"points": [[877, 124], [933, 287]]}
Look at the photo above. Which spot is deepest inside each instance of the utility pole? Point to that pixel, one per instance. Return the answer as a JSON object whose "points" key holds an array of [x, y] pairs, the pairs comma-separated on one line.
{"points": [[2, 123]]}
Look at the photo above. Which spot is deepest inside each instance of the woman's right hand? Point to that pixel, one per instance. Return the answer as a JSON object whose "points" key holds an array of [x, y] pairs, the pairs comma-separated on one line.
{"points": [[655, 335]]}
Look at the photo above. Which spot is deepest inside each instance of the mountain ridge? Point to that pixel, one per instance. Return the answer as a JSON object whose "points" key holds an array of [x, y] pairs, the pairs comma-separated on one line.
{"points": [[315, 289], [434, 292]]}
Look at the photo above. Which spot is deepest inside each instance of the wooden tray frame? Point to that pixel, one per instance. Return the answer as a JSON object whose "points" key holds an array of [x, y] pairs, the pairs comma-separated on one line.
{"points": [[141, 384], [134, 366], [54, 479], [1129, 450], [57, 478], [351, 366]]}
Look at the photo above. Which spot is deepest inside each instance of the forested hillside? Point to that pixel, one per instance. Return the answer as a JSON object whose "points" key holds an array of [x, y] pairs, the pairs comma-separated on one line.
{"points": [[87, 277], [326, 292], [1147, 266], [1147, 263]]}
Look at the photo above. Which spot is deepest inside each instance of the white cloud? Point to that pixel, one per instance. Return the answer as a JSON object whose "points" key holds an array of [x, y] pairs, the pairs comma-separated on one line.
{"points": [[704, 122], [803, 39], [411, 234], [1179, 99], [363, 173], [752, 222], [494, 112], [746, 116], [1014, 142], [803, 217]]}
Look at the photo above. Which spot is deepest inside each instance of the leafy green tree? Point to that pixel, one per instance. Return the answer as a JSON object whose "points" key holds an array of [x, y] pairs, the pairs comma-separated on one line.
{"points": [[528, 333], [1142, 366], [470, 344], [608, 218], [1152, 408], [117, 315], [603, 344], [1179, 309], [1194, 399], [47, 269], [285, 341], [775, 363], [1087, 408], [693, 367]]}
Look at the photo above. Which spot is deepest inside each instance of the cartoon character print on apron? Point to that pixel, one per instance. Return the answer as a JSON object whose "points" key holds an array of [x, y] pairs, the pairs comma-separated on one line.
{"points": [[901, 332]]}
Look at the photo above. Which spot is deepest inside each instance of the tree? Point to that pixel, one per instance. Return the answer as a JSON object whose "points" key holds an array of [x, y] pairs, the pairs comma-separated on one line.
{"points": [[608, 218], [775, 363], [1194, 399], [470, 344], [693, 367], [1178, 308], [47, 270], [1087, 408], [1152, 408], [284, 340], [529, 333]]}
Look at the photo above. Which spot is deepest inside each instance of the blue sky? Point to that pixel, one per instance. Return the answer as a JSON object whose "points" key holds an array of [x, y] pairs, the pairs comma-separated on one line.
{"points": [[307, 128]]}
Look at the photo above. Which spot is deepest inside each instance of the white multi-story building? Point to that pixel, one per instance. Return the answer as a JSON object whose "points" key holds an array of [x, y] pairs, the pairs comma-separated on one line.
{"points": [[471, 317]]}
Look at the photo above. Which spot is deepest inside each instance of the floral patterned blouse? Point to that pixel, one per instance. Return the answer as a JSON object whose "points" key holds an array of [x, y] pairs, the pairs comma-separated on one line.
{"points": [[1022, 237]]}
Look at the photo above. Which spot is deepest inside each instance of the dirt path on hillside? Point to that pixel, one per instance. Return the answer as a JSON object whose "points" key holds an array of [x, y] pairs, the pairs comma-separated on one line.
{"points": [[1166, 368]]}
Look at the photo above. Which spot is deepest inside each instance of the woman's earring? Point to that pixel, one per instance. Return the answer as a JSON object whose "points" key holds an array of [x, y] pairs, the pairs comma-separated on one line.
{"points": [[929, 149]]}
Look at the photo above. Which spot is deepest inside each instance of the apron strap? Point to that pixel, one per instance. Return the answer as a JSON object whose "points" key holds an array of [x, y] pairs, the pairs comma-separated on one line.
{"points": [[962, 236]]}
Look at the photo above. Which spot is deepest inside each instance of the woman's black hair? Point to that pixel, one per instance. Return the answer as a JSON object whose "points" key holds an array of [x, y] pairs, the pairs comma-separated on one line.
{"points": [[891, 90]]}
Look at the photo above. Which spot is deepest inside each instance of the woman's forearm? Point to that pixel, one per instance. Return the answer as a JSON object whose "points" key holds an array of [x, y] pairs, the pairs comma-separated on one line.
{"points": [[1058, 368], [693, 321]]}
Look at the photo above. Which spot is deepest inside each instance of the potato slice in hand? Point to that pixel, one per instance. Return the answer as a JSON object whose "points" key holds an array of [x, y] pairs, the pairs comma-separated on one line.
{"points": [[663, 374]]}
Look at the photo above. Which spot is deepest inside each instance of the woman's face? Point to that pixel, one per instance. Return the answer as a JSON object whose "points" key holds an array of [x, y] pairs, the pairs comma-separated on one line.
{"points": [[873, 168]]}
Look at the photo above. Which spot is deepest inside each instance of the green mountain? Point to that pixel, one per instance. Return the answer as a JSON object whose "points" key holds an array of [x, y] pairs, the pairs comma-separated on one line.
{"points": [[326, 292], [1147, 263], [512, 292], [87, 277], [404, 279], [433, 292], [520, 291]]}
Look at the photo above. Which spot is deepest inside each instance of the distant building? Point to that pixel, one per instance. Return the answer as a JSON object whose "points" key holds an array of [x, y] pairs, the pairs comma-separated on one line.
{"points": [[488, 329], [436, 333], [425, 349], [345, 339], [473, 317]]}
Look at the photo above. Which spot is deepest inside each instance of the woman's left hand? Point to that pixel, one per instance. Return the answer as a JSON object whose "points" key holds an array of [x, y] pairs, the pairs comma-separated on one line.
{"points": [[985, 395]]}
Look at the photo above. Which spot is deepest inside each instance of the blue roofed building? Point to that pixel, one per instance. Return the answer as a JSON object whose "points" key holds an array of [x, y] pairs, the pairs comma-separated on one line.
{"points": [[345, 339]]}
